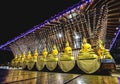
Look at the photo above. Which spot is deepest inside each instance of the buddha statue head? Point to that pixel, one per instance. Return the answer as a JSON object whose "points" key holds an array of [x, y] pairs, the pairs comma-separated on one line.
{"points": [[54, 51], [45, 52], [68, 49], [85, 46]]}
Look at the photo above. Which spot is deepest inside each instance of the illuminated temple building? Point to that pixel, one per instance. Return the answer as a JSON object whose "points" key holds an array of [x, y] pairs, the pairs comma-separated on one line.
{"points": [[91, 19]]}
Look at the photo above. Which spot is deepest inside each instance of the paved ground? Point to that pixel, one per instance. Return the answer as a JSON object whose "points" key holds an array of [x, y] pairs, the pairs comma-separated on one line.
{"points": [[19, 76]]}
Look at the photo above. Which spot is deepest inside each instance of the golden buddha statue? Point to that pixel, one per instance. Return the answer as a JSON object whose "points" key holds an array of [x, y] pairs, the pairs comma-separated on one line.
{"points": [[16, 57], [23, 56], [35, 55], [85, 46], [19, 58], [29, 56], [87, 59], [53, 56], [14, 60], [102, 52], [41, 60], [54, 51], [107, 54], [44, 54], [67, 54], [24, 60], [86, 51]]}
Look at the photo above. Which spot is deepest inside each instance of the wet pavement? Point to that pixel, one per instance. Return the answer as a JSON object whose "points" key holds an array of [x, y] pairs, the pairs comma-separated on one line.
{"points": [[19, 76]]}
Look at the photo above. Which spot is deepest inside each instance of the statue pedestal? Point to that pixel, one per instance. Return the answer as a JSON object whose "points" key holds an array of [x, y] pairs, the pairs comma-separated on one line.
{"points": [[108, 64], [51, 65], [31, 65], [40, 64], [66, 66], [88, 65]]}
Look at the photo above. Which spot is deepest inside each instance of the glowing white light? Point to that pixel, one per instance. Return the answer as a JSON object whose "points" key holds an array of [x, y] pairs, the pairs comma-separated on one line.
{"points": [[117, 28], [76, 37], [60, 35], [72, 15]]}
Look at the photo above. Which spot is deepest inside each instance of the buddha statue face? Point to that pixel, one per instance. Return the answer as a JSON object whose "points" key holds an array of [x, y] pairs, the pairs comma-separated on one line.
{"points": [[54, 52], [68, 50]]}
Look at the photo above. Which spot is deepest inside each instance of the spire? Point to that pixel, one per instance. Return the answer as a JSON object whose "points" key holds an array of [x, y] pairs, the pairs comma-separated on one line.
{"points": [[23, 54], [36, 52], [67, 44], [29, 53], [45, 49], [54, 47], [100, 42], [84, 40]]}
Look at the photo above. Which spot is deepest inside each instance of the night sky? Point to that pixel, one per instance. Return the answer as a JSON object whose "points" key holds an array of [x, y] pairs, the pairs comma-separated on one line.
{"points": [[19, 16]]}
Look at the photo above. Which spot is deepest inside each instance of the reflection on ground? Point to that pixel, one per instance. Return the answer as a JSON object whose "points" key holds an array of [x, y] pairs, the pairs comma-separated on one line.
{"points": [[15, 76]]}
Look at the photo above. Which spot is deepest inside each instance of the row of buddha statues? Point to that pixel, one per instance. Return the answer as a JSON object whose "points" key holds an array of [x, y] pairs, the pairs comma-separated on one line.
{"points": [[86, 52]]}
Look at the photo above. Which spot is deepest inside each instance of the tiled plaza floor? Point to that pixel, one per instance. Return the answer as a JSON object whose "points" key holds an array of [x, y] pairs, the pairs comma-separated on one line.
{"points": [[19, 76]]}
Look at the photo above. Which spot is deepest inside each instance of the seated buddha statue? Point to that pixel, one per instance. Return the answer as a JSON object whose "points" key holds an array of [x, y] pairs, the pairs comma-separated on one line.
{"points": [[29, 56], [86, 51], [67, 54], [14, 60], [35, 55], [107, 54], [44, 54], [19, 58], [102, 52], [23, 56], [53, 56]]}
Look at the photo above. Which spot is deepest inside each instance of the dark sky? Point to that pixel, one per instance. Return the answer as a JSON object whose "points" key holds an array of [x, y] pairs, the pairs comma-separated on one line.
{"points": [[18, 16]]}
